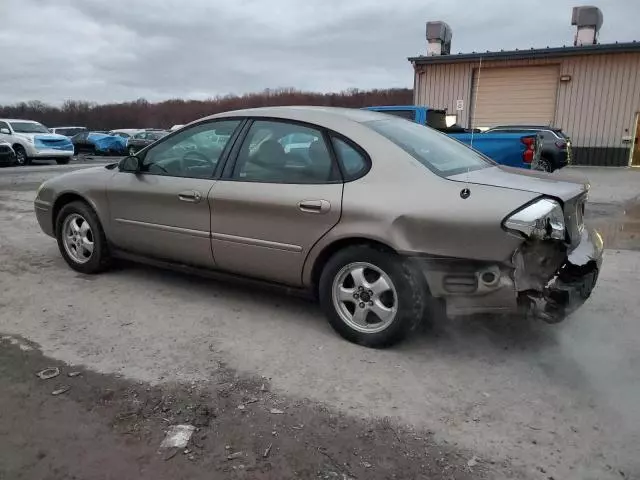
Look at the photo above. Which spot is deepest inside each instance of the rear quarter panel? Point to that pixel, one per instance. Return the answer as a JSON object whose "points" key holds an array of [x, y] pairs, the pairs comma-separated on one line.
{"points": [[405, 206]]}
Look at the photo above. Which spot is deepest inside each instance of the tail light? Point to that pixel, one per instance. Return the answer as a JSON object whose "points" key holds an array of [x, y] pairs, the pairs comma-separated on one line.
{"points": [[530, 146], [561, 145]]}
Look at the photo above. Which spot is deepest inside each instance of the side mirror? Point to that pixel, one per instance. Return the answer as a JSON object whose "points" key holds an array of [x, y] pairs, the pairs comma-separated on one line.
{"points": [[131, 164], [6, 131]]}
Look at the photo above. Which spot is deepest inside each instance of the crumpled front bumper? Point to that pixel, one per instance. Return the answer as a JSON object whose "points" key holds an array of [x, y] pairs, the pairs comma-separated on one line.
{"points": [[572, 284]]}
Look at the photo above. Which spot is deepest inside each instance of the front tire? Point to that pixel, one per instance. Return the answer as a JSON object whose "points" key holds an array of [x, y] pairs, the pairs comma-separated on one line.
{"points": [[81, 239], [371, 297], [21, 156], [132, 152], [63, 161]]}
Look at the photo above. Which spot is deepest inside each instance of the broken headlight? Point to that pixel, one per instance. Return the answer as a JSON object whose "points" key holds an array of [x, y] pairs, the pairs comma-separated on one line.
{"points": [[543, 219]]}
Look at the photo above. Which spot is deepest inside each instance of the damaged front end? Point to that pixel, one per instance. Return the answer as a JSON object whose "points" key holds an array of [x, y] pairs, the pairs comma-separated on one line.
{"points": [[556, 267]]}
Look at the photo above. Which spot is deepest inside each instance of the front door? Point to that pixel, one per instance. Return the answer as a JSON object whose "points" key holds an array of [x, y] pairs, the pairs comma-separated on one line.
{"points": [[162, 211], [274, 202]]}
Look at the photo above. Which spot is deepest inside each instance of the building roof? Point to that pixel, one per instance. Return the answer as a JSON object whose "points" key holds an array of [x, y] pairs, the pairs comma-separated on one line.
{"points": [[529, 54]]}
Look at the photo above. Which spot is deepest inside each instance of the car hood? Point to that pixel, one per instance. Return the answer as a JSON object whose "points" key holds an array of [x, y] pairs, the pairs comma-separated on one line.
{"points": [[42, 136], [559, 184]]}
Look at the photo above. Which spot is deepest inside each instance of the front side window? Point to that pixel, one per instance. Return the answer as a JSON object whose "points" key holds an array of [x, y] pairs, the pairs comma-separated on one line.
{"points": [[4, 125], [439, 153], [28, 127], [193, 152], [140, 136], [283, 152]]}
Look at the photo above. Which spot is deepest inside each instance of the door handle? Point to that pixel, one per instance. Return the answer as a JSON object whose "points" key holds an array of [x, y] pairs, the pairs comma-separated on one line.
{"points": [[190, 196], [314, 206]]}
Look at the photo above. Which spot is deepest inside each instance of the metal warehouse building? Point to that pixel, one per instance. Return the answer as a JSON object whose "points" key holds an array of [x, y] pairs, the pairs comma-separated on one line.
{"points": [[590, 90]]}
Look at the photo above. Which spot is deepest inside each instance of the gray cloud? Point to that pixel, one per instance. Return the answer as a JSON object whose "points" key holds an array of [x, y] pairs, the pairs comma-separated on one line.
{"points": [[122, 50]]}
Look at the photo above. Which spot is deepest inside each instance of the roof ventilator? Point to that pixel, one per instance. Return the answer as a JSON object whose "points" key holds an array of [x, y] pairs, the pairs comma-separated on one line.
{"points": [[588, 20], [438, 38]]}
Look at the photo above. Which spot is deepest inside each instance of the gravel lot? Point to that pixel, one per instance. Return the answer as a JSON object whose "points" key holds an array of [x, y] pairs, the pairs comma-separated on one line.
{"points": [[539, 401]]}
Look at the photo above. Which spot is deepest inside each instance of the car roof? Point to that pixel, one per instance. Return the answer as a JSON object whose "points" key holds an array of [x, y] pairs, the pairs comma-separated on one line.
{"points": [[324, 116], [17, 120], [532, 127], [127, 130]]}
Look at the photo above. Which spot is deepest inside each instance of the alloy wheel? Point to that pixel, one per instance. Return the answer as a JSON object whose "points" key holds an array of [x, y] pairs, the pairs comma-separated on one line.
{"points": [[365, 297], [77, 238], [21, 156]]}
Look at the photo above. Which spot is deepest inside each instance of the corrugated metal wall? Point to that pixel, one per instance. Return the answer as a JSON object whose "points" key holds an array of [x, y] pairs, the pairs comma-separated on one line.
{"points": [[596, 107]]}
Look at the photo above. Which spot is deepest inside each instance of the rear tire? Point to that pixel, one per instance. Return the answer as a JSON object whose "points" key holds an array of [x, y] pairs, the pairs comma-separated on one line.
{"points": [[63, 161], [132, 152], [81, 239], [391, 305], [544, 165]]}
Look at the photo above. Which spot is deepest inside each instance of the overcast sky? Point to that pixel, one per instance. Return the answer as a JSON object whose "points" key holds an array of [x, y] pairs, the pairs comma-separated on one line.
{"points": [[119, 50]]}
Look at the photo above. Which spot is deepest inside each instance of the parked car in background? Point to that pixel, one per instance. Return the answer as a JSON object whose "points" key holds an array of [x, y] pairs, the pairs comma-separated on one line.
{"points": [[32, 141], [68, 131], [97, 143], [125, 132], [386, 219], [555, 145], [511, 149], [7, 155], [142, 139]]}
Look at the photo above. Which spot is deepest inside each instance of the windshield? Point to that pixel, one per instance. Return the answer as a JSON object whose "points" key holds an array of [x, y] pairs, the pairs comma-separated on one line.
{"points": [[28, 127], [436, 151]]}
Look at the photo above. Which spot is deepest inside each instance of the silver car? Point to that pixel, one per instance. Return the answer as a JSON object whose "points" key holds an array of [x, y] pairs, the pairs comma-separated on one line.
{"points": [[381, 219]]}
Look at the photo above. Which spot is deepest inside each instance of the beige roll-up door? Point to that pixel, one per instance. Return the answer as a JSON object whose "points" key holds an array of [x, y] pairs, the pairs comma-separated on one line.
{"points": [[514, 95]]}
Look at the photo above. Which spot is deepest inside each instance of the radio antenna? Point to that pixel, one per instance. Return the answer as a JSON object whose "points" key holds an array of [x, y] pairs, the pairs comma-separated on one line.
{"points": [[475, 101]]}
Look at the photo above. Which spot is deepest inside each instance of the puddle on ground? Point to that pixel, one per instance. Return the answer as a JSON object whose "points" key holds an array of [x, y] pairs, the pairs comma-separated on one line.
{"points": [[619, 225]]}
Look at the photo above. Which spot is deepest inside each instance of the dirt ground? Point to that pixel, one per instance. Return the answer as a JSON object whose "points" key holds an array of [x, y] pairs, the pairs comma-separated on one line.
{"points": [[104, 427]]}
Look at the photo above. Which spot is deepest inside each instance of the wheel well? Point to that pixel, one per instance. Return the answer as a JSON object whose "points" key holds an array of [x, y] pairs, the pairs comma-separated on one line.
{"points": [[15, 146], [334, 247], [61, 201]]}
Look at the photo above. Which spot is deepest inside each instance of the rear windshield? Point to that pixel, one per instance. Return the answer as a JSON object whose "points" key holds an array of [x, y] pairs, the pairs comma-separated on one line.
{"points": [[436, 151]]}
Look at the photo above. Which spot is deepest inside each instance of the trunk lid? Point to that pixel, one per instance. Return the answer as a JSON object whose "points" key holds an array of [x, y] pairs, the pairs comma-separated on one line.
{"points": [[559, 185]]}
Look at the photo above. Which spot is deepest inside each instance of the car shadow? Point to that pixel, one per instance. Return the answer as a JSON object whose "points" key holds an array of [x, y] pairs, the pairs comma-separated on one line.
{"points": [[472, 334]]}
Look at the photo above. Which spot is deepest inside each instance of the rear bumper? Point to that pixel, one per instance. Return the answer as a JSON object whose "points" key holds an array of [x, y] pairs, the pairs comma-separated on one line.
{"points": [[469, 287]]}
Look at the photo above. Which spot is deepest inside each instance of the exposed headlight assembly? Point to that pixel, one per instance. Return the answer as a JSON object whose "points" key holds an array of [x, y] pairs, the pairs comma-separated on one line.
{"points": [[543, 220]]}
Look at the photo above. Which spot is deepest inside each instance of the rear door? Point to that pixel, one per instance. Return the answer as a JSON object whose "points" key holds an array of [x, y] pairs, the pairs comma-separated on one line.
{"points": [[272, 206], [162, 211]]}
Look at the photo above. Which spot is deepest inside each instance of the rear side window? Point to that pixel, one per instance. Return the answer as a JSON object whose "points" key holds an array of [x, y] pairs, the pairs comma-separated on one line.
{"points": [[354, 163]]}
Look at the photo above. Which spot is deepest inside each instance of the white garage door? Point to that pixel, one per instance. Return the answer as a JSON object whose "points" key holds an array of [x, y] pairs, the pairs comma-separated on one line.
{"points": [[516, 95]]}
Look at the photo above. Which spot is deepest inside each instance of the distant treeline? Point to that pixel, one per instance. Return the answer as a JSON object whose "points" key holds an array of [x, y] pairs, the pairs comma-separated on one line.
{"points": [[144, 114]]}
